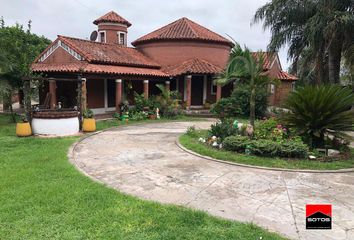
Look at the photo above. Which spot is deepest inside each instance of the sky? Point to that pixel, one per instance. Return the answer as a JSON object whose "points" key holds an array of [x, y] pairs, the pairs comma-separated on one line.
{"points": [[74, 17]]}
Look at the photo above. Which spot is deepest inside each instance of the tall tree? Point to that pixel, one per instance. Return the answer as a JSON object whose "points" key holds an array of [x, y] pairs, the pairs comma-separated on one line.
{"points": [[243, 66], [18, 49], [315, 30]]}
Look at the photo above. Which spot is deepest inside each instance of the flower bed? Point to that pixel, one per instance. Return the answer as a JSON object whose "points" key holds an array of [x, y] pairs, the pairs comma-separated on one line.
{"points": [[269, 140], [271, 145]]}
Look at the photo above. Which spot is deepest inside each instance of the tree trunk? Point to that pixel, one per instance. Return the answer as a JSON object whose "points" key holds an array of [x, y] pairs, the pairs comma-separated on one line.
{"points": [[334, 58], [319, 68], [252, 103], [27, 99]]}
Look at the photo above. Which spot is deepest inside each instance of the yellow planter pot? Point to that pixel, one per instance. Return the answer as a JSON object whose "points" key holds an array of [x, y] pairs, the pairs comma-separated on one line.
{"points": [[89, 125], [23, 129]]}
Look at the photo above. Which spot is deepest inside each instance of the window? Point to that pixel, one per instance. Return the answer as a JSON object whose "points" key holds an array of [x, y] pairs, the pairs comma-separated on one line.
{"points": [[272, 88], [102, 37], [293, 86], [121, 38], [213, 88]]}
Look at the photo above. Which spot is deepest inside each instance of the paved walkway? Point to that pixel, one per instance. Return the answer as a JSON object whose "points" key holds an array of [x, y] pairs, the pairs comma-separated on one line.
{"points": [[144, 161]]}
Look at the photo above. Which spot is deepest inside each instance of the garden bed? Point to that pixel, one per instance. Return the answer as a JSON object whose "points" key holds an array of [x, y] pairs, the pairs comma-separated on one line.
{"points": [[192, 143]]}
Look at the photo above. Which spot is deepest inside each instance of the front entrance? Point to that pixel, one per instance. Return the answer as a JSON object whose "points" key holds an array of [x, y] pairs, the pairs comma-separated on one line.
{"points": [[197, 90], [111, 93]]}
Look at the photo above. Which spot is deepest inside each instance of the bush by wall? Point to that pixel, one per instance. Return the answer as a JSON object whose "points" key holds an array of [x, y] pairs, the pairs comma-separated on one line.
{"points": [[239, 103]]}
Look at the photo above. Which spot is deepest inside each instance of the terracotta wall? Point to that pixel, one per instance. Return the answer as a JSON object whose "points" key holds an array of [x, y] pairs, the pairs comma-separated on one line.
{"points": [[281, 93], [171, 53], [112, 32], [95, 93]]}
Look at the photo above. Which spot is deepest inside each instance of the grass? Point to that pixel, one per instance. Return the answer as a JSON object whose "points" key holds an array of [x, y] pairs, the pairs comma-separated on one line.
{"points": [[192, 143], [104, 124], [44, 197]]}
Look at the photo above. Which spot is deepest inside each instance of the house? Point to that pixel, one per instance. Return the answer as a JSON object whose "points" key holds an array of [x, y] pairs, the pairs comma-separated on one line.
{"points": [[272, 67], [183, 55]]}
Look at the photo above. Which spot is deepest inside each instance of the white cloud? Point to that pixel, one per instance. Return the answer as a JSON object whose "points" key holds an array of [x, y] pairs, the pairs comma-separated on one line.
{"points": [[74, 17]]}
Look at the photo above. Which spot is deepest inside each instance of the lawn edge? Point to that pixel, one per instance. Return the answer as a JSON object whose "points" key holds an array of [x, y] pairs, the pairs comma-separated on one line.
{"points": [[178, 143]]}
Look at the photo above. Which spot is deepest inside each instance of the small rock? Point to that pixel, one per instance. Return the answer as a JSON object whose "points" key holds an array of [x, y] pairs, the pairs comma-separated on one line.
{"points": [[333, 153], [311, 157]]}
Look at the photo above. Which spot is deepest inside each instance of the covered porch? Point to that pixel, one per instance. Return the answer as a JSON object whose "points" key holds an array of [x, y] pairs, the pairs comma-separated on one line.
{"points": [[102, 94], [106, 94]]}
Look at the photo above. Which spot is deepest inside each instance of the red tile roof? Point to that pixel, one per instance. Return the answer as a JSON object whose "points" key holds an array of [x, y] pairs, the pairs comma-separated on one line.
{"points": [[85, 67], [268, 58], [286, 76], [104, 53], [193, 66], [183, 29], [112, 17]]}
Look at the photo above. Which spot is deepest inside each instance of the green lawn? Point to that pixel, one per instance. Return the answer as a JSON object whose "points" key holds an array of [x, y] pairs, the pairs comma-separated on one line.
{"points": [[193, 144], [44, 197], [104, 124]]}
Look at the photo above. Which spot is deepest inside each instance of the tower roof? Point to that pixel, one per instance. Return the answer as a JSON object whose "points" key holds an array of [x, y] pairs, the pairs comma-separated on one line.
{"points": [[183, 29], [112, 17]]}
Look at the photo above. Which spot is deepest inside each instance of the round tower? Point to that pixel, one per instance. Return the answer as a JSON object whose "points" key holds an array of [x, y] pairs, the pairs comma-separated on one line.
{"points": [[112, 28]]}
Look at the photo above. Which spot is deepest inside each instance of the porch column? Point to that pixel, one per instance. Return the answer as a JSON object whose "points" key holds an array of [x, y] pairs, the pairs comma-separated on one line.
{"points": [[53, 93], [146, 89], [84, 94], [168, 85], [189, 90], [118, 94], [218, 92]]}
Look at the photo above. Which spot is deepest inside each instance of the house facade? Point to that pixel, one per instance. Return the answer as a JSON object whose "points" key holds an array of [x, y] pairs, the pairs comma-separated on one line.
{"points": [[183, 55]]}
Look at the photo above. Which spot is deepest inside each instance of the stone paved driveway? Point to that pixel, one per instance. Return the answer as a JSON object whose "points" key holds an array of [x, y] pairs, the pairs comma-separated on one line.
{"points": [[144, 161]]}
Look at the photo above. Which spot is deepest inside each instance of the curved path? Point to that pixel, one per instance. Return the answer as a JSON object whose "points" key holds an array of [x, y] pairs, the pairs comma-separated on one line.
{"points": [[144, 161]]}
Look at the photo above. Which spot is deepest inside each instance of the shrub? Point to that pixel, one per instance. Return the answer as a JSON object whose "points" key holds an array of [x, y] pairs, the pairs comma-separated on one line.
{"points": [[226, 107], [293, 149], [116, 115], [88, 113], [265, 128], [223, 129], [142, 104], [191, 131], [138, 115], [242, 93], [239, 103], [266, 148], [236, 143], [168, 102], [172, 112], [319, 111]]}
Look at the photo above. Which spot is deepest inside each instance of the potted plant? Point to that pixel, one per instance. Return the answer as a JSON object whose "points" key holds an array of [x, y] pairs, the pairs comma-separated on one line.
{"points": [[152, 114], [89, 123], [23, 129], [125, 117]]}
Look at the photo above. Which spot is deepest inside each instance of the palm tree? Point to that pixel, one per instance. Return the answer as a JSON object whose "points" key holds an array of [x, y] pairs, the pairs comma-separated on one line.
{"points": [[321, 29], [317, 111], [243, 66]]}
